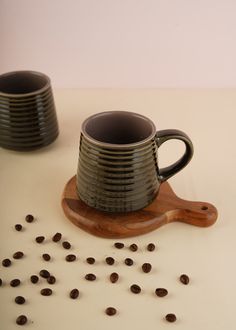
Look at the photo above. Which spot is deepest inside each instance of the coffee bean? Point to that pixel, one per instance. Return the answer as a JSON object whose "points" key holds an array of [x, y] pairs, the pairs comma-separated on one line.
{"points": [[57, 237], [15, 282], [6, 262], [90, 260], [46, 292], [184, 279], [114, 277], [18, 255], [19, 300], [129, 262], [46, 257], [39, 239], [170, 317], [133, 247], [135, 288], [0, 282], [74, 294], [51, 279], [161, 292], [44, 273], [18, 227], [151, 247], [110, 260], [34, 279], [21, 320], [29, 218], [70, 257], [110, 311], [119, 245], [90, 277], [146, 267], [66, 245]]}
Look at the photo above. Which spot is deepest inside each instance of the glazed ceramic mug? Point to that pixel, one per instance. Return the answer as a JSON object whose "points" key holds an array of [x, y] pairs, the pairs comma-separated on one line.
{"points": [[118, 163]]}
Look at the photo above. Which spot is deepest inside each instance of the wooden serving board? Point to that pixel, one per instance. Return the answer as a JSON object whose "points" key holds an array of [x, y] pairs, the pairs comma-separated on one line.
{"points": [[166, 208]]}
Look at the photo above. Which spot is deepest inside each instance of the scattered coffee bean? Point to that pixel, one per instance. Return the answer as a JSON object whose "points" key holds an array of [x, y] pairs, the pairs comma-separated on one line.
{"points": [[184, 279], [39, 239], [114, 277], [133, 247], [135, 288], [170, 317], [34, 279], [18, 227], [110, 260], [18, 255], [90, 260], [21, 320], [44, 273], [110, 311], [129, 262], [146, 267], [46, 257], [0, 282], [46, 292], [19, 300], [90, 277], [29, 218], [6, 262], [66, 245], [70, 257], [15, 282], [161, 292], [151, 247], [57, 237], [51, 279], [119, 245], [74, 294]]}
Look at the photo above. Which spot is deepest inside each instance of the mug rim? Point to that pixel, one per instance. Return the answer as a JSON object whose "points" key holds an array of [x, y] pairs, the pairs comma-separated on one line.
{"points": [[116, 145], [32, 72]]}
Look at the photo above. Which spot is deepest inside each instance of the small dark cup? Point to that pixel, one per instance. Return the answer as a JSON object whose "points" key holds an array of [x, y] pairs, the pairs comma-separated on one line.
{"points": [[28, 118]]}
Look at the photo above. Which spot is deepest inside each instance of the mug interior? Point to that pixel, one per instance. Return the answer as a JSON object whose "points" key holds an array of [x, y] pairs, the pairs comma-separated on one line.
{"points": [[118, 127]]}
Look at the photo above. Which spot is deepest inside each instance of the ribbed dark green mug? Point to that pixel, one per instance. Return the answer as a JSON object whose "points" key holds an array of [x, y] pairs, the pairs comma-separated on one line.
{"points": [[118, 163]]}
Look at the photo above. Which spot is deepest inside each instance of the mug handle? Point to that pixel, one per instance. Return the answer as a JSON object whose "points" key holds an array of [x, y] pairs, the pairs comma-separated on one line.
{"points": [[169, 134]]}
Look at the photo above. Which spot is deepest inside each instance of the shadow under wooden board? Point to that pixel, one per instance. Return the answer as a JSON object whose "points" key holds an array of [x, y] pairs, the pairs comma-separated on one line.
{"points": [[166, 208]]}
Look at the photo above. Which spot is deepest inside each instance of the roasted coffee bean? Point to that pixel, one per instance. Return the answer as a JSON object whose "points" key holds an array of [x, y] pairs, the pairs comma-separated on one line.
{"points": [[114, 277], [171, 317], [90, 277], [66, 245], [51, 279], [110, 260], [39, 239], [151, 247], [18, 255], [129, 262], [15, 282], [18, 227], [110, 311], [19, 300], [0, 282], [90, 260], [6, 262], [119, 245], [29, 218], [161, 292], [74, 294], [135, 288], [44, 273], [184, 279], [57, 237], [34, 279], [46, 292], [70, 257], [46, 257], [133, 247], [146, 267], [21, 320]]}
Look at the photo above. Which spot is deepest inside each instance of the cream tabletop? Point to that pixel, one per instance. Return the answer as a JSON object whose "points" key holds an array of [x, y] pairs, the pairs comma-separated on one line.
{"points": [[33, 183]]}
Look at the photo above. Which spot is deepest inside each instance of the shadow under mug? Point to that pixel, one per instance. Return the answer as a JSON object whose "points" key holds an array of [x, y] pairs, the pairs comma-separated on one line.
{"points": [[118, 163]]}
